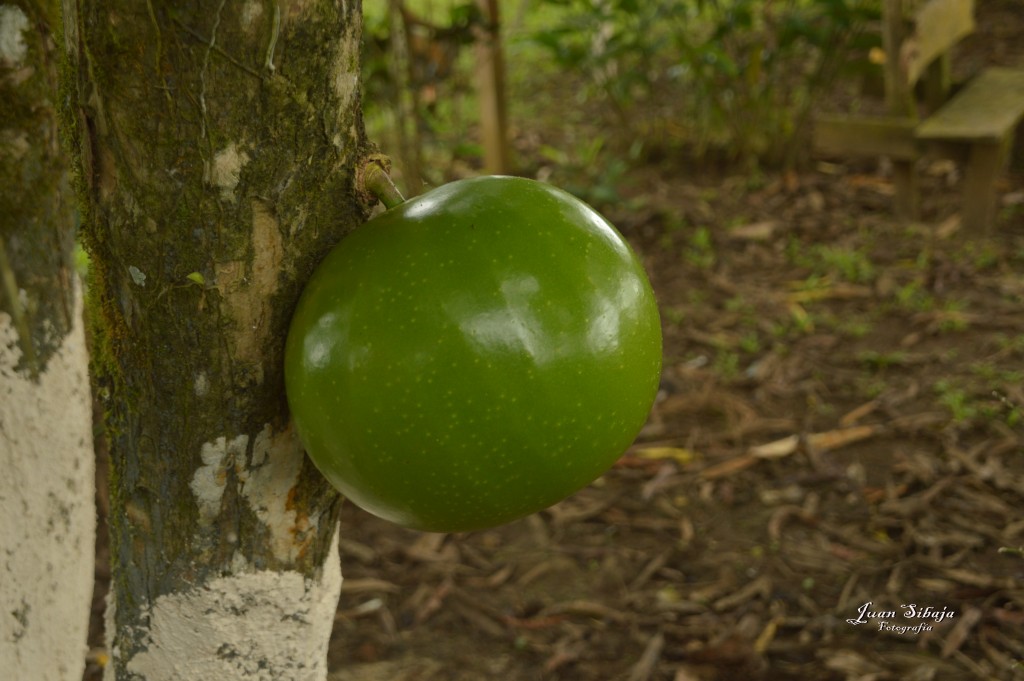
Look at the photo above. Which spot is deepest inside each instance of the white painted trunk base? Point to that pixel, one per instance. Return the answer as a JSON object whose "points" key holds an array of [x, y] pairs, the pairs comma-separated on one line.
{"points": [[249, 626], [47, 511]]}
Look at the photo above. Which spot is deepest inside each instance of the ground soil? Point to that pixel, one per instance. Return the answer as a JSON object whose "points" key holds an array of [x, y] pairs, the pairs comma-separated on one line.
{"points": [[831, 480], [841, 425]]}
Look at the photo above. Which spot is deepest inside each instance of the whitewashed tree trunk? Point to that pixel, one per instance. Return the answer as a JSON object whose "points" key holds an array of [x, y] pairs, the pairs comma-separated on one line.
{"points": [[217, 144], [47, 516]]}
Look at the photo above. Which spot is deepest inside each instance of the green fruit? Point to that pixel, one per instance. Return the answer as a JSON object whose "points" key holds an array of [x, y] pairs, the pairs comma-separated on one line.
{"points": [[473, 355]]}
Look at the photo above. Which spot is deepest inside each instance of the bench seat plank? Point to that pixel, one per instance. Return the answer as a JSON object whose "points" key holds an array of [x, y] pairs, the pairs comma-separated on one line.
{"points": [[866, 136], [984, 111]]}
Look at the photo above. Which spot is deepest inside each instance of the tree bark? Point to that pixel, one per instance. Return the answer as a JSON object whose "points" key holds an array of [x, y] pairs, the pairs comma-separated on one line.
{"points": [[47, 517], [407, 106], [216, 145], [490, 65]]}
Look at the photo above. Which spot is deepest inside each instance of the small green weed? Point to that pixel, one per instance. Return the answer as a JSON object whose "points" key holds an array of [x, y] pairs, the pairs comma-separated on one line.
{"points": [[879, 361], [852, 265], [726, 364], [952, 317], [824, 260], [1013, 345], [700, 249], [871, 386], [912, 297], [674, 316], [961, 405], [589, 170], [750, 343]]}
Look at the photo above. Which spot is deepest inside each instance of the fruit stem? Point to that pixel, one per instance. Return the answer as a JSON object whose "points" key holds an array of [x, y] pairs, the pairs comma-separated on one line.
{"points": [[377, 182]]}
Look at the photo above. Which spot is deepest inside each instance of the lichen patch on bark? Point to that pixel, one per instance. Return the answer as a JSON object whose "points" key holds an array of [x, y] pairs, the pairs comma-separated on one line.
{"points": [[210, 479], [251, 12], [225, 170], [13, 24], [267, 482], [346, 78], [294, 9], [248, 288], [201, 386], [269, 486]]}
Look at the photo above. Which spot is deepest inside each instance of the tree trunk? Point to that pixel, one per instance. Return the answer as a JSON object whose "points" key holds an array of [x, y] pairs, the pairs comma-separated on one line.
{"points": [[407, 106], [47, 517], [217, 146], [490, 66]]}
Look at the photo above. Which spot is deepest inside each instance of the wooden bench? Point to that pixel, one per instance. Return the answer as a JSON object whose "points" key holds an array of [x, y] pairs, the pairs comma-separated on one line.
{"points": [[974, 126]]}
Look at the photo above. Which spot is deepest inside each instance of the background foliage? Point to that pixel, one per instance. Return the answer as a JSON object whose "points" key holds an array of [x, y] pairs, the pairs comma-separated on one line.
{"points": [[595, 85]]}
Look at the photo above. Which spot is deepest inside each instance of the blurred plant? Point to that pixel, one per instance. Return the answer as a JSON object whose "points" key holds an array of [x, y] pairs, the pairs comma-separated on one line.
{"points": [[742, 74], [433, 46], [764, 63], [914, 297], [414, 81], [588, 170], [824, 261], [615, 45]]}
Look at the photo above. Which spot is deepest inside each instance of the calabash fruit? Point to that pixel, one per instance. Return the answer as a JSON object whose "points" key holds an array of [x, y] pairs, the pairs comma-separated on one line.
{"points": [[473, 355]]}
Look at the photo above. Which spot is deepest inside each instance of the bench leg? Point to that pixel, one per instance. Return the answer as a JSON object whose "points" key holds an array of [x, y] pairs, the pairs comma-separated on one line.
{"points": [[979, 201], [904, 179]]}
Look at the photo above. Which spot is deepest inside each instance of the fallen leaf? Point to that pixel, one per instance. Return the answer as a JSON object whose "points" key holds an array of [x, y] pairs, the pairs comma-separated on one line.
{"points": [[584, 608], [760, 587], [830, 292], [680, 454], [948, 227], [766, 636], [755, 231], [854, 415], [834, 439], [776, 449], [648, 662], [961, 630], [368, 584], [728, 467]]}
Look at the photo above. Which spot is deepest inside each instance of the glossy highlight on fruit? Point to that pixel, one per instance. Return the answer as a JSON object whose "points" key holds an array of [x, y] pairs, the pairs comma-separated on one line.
{"points": [[473, 355]]}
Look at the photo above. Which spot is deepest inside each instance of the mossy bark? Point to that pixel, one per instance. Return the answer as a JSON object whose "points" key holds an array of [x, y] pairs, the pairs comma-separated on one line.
{"points": [[47, 519], [216, 147], [36, 206]]}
